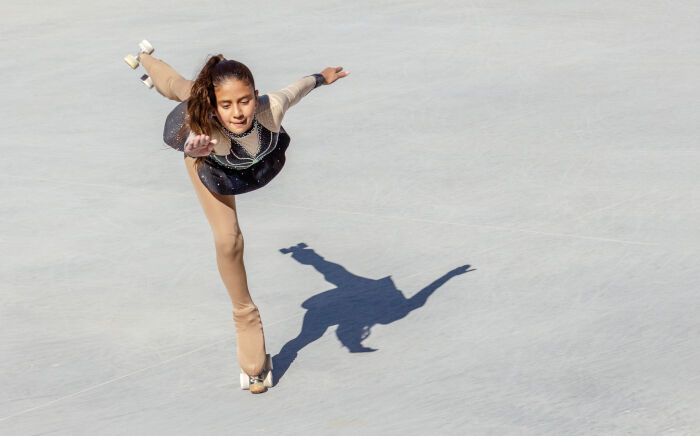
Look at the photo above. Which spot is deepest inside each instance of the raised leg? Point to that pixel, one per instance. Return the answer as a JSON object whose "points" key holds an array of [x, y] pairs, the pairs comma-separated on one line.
{"points": [[167, 81]]}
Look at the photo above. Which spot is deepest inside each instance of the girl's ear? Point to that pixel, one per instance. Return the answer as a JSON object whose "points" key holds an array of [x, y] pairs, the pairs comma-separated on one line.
{"points": [[256, 94]]}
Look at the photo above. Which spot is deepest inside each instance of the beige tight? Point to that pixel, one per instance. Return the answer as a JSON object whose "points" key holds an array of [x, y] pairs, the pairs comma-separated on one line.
{"points": [[220, 211], [166, 80]]}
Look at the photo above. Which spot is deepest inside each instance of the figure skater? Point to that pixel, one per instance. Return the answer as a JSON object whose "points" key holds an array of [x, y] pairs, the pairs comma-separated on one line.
{"points": [[233, 142]]}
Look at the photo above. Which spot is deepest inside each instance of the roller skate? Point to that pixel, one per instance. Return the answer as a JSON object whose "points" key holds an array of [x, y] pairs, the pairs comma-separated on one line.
{"points": [[260, 383], [133, 61]]}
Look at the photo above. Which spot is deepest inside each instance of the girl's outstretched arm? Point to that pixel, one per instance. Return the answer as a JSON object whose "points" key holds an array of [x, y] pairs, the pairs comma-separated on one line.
{"points": [[282, 100]]}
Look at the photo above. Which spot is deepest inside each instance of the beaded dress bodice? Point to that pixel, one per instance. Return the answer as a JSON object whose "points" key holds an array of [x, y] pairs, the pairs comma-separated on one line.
{"points": [[247, 161], [247, 148]]}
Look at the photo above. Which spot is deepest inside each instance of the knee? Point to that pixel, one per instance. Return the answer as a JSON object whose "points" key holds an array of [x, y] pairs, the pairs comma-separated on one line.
{"points": [[229, 245]]}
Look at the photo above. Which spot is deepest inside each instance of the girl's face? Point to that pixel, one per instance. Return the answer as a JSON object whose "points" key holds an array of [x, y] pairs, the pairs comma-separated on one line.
{"points": [[235, 104]]}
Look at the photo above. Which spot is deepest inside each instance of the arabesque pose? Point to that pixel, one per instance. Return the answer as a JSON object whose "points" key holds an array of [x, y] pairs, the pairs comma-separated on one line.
{"points": [[233, 142]]}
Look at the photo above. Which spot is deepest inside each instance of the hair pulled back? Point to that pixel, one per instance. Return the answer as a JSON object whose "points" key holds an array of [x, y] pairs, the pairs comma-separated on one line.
{"points": [[201, 107]]}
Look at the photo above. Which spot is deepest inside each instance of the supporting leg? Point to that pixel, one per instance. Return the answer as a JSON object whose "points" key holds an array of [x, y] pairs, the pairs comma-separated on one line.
{"points": [[220, 211]]}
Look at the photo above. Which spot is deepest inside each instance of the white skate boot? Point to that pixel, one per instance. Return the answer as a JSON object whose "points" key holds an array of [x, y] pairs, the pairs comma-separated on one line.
{"points": [[259, 383], [133, 61]]}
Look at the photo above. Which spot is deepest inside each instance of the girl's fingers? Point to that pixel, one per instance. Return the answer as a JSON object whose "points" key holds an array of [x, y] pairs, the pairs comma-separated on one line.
{"points": [[338, 69], [201, 143], [208, 143]]}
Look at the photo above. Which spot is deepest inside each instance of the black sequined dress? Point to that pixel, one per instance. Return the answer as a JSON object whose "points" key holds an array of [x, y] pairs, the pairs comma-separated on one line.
{"points": [[247, 161]]}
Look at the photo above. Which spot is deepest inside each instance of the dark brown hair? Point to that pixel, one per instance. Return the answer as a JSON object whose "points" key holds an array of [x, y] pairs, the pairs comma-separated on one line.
{"points": [[201, 107]]}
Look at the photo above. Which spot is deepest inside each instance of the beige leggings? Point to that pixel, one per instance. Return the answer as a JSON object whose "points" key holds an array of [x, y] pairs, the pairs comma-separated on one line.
{"points": [[220, 211]]}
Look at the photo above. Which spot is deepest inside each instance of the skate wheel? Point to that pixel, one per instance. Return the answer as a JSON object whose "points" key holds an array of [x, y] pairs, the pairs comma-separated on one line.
{"points": [[147, 80], [267, 382], [131, 61], [146, 47], [245, 382]]}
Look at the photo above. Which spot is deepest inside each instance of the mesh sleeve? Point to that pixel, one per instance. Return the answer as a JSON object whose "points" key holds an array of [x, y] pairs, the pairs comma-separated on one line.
{"points": [[282, 100]]}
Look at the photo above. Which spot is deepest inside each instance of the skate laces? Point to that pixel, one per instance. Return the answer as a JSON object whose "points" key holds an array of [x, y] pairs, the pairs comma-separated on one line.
{"points": [[257, 378]]}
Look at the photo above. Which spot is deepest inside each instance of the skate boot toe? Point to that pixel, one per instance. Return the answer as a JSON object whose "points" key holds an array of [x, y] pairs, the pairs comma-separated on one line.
{"points": [[257, 384], [261, 382], [257, 388]]}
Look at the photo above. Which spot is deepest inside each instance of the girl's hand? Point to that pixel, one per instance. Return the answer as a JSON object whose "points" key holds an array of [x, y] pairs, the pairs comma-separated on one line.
{"points": [[331, 74], [200, 145]]}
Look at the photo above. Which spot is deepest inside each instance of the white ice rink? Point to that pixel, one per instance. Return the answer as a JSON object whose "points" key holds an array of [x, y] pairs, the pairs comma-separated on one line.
{"points": [[550, 146]]}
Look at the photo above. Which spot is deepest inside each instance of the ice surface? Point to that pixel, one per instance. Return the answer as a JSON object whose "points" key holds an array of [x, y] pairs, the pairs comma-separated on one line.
{"points": [[551, 146]]}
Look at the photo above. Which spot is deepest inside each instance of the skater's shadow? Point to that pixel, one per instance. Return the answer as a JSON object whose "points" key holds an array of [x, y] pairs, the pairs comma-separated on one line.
{"points": [[355, 305]]}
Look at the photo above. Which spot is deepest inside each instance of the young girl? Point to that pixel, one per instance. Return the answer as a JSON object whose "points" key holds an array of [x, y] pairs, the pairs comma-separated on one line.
{"points": [[233, 143]]}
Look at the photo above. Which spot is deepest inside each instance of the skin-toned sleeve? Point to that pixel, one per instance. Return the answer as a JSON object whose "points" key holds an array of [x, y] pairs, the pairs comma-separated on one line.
{"points": [[282, 100]]}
